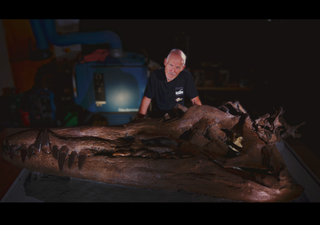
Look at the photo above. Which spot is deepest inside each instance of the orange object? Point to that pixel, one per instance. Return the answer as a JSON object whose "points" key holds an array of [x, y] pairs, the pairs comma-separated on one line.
{"points": [[25, 118], [19, 37]]}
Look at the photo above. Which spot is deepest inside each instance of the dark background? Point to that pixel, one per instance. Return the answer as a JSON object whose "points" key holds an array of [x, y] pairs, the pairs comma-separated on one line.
{"points": [[279, 57]]}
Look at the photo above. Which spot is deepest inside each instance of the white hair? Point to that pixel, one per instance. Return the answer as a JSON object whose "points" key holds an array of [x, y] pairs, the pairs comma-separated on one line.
{"points": [[180, 53]]}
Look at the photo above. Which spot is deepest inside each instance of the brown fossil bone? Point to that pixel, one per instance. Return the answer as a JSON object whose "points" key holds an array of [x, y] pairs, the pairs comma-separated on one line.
{"points": [[219, 152]]}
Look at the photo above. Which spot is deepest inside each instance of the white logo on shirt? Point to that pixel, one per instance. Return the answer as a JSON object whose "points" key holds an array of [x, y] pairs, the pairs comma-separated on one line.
{"points": [[180, 92]]}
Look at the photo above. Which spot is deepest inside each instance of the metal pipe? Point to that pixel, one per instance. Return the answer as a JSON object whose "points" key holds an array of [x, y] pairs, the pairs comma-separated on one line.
{"points": [[45, 30]]}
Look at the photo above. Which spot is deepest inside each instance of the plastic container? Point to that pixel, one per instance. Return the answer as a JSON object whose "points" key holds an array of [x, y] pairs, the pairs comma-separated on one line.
{"points": [[114, 86]]}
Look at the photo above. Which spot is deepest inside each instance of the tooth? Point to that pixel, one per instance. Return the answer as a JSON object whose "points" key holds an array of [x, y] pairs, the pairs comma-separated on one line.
{"points": [[55, 152], [38, 142], [62, 156], [24, 151], [45, 145], [82, 158], [31, 150], [72, 157]]}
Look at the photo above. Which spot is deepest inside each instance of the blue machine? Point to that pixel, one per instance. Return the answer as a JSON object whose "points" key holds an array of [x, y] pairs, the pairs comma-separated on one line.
{"points": [[114, 87]]}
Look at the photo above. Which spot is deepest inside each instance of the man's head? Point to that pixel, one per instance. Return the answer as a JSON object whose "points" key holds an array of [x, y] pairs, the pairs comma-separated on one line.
{"points": [[175, 62]]}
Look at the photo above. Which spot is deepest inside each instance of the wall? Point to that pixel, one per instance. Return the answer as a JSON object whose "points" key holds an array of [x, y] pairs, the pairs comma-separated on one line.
{"points": [[283, 55], [5, 75]]}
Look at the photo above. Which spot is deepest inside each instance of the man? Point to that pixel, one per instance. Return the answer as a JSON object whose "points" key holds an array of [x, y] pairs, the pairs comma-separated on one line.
{"points": [[169, 86]]}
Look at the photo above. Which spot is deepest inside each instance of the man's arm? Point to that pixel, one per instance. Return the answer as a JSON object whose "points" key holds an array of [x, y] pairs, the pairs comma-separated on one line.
{"points": [[144, 106], [196, 101]]}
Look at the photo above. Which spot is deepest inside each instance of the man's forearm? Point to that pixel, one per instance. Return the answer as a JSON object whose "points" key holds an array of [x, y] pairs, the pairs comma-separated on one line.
{"points": [[196, 101], [144, 106]]}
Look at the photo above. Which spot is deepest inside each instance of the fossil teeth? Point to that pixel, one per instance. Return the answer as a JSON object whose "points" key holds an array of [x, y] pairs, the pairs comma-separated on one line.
{"points": [[45, 144], [55, 152], [62, 156], [38, 143], [82, 157], [72, 158], [24, 152]]}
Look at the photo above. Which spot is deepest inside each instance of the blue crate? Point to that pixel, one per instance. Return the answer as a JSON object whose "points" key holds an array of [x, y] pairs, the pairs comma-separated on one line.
{"points": [[115, 85]]}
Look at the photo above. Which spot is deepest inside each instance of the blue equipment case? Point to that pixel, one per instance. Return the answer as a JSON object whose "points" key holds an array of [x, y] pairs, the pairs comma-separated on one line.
{"points": [[114, 88]]}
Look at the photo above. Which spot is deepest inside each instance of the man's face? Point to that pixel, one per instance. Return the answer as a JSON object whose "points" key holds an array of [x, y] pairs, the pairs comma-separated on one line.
{"points": [[173, 65]]}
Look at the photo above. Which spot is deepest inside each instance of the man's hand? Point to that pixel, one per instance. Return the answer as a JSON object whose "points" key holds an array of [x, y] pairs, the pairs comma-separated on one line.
{"points": [[141, 116]]}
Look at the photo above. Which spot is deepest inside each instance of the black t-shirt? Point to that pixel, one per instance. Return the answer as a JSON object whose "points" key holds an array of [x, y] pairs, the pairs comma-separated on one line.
{"points": [[165, 95]]}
